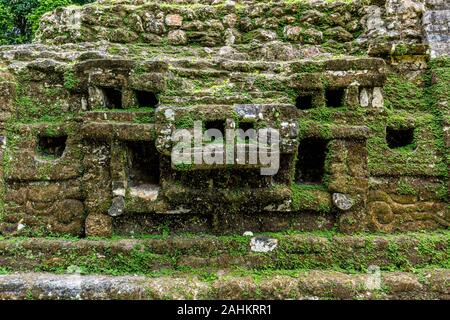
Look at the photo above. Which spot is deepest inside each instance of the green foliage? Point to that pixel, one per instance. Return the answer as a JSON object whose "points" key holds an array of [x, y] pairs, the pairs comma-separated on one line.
{"points": [[185, 122], [312, 197], [18, 30], [70, 81], [143, 119], [296, 252], [44, 7], [411, 159], [3, 270], [30, 109], [184, 166], [401, 93], [19, 19], [405, 189], [420, 104], [310, 67], [6, 23], [321, 129], [401, 49]]}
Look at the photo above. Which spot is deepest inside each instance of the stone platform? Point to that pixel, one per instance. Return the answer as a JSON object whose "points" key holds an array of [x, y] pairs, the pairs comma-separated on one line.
{"points": [[313, 285], [269, 266]]}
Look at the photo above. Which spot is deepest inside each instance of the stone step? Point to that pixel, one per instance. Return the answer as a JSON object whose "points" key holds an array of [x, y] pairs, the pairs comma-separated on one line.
{"points": [[276, 251], [313, 285], [233, 99], [437, 4]]}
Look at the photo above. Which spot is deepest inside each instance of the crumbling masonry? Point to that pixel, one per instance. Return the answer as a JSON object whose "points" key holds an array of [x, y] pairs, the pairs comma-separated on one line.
{"points": [[358, 89]]}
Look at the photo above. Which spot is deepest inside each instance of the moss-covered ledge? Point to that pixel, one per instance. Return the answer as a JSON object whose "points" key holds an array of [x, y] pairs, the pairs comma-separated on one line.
{"points": [[294, 251]]}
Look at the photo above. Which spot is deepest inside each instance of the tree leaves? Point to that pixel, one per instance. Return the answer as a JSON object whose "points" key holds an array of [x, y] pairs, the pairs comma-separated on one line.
{"points": [[19, 19]]}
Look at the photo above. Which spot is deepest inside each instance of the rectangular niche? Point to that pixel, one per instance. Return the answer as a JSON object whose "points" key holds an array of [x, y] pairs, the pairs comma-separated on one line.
{"points": [[310, 166], [225, 179], [215, 124], [143, 164], [334, 97], [146, 99], [51, 147], [400, 138], [112, 98], [304, 102], [245, 136]]}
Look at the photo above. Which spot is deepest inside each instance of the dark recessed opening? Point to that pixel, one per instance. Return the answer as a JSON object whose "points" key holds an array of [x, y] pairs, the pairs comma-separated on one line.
{"points": [[215, 124], [246, 125], [112, 98], [398, 138], [304, 102], [335, 97], [223, 179], [52, 147], [143, 163], [310, 165], [146, 99], [245, 135]]}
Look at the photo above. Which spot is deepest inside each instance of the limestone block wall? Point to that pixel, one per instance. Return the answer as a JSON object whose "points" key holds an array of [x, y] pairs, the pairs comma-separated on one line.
{"points": [[338, 26], [411, 21], [218, 24], [436, 27]]}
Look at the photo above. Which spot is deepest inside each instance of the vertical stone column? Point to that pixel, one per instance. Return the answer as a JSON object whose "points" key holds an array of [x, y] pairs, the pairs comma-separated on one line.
{"points": [[349, 182], [447, 144], [97, 189], [7, 97], [119, 177]]}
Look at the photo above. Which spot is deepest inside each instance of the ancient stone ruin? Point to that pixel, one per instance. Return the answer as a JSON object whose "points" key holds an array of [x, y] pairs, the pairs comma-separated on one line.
{"points": [[358, 90]]}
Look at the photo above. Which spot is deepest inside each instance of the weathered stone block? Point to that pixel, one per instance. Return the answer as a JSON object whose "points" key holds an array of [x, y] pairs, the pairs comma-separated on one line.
{"points": [[98, 225], [174, 20]]}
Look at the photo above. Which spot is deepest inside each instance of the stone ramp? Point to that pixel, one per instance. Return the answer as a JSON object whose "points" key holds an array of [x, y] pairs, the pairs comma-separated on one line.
{"points": [[308, 285]]}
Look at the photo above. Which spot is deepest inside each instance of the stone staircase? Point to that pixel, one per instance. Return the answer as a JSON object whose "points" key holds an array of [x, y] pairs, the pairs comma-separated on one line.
{"points": [[268, 266]]}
